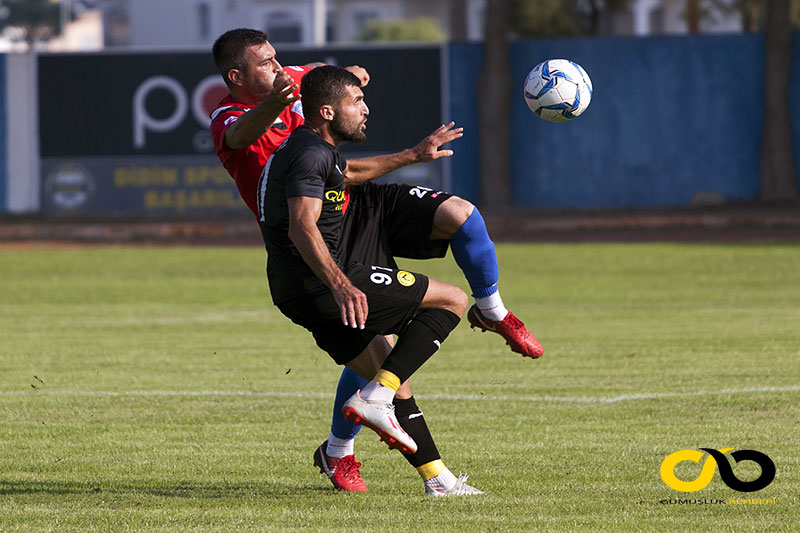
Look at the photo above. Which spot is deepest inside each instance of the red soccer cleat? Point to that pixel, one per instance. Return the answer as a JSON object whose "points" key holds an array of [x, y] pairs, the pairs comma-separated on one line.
{"points": [[343, 472], [511, 329]]}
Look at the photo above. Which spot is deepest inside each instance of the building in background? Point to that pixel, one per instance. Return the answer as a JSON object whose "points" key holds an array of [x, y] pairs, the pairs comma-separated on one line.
{"points": [[180, 23], [96, 24]]}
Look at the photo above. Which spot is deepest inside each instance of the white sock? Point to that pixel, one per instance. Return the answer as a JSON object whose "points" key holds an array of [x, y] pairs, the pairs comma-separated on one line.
{"points": [[442, 482], [492, 307], [375, 392], [339, 448]]}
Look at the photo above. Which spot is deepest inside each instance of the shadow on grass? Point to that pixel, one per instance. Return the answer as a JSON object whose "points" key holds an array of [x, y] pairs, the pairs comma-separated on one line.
{"points": [[165, 489]]}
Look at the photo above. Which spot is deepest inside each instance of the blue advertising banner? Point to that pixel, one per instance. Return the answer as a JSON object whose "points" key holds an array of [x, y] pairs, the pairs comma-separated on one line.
{"points": [[673, 119], [139, 141]]}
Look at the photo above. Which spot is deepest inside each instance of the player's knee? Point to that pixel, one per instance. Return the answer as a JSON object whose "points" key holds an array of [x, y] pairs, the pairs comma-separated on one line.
{"points": [[450, 216], [462, 208], [460, 301]]}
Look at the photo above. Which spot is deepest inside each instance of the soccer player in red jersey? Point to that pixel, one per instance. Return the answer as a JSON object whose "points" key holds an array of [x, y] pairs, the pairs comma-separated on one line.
{"points": [[250, 124]]}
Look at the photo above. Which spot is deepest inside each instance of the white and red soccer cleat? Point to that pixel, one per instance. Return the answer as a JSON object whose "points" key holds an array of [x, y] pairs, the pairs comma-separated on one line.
{"points": [[380, 418], [511, 329], [459, 489], [343, 473]]}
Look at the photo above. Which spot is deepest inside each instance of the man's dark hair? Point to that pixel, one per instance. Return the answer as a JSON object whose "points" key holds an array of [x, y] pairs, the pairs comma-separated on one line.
{"points": [[228, 50], [326, 85]]}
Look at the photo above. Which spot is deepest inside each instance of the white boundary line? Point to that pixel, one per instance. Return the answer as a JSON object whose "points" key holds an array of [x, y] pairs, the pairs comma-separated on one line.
{"points": [[454, 397]]}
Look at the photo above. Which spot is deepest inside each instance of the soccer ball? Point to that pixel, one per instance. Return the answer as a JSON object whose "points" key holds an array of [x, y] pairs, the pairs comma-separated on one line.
{"points": [[558, 90]]}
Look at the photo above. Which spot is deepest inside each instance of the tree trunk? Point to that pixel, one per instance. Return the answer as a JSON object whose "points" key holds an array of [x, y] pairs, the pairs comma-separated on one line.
{"points": [[458, 20], [778, 178], [494, 93]]}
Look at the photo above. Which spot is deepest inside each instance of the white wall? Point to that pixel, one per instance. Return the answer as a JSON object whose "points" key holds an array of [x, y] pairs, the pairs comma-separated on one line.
{"points": [[23, 133]]}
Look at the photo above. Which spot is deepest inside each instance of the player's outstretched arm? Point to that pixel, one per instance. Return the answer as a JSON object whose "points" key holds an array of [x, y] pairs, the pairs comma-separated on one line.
{"points": [[428, 149], [252, 125], [304, 212]]}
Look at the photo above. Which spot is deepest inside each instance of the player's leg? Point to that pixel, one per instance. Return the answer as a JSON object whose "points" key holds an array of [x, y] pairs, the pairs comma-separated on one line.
{"points": [[438, 479], [420, 223], [391, 304], [474, 252], [335, 457], [362, 242]]}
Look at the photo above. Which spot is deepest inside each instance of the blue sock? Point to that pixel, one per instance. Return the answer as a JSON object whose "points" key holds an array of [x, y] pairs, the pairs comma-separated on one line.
{"points": [[349, 383], [474, 253]]}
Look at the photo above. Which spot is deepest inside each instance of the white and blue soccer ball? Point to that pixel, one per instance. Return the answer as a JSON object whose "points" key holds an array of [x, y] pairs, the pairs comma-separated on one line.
{"points": [[558, 90]]}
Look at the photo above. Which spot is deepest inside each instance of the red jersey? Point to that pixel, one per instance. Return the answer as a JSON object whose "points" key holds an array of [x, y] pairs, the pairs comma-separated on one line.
{"points": [[246, 165]]}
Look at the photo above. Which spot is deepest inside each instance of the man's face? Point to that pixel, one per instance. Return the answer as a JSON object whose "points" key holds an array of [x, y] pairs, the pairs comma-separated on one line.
{"points": [[350, 116], [259, 70]]}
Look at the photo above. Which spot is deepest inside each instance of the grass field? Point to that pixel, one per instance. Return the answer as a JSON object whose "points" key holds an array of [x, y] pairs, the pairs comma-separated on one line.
{"points": [[158, 389]]}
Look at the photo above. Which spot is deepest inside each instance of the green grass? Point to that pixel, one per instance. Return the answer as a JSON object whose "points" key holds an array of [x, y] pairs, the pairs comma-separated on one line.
{"points": [[158, 389]]}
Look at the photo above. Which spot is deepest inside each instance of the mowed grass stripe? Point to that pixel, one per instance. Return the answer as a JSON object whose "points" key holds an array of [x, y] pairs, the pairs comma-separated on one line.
{"points": [[423, 396]]}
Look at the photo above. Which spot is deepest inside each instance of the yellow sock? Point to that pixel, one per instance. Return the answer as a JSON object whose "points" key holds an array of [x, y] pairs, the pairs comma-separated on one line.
{"points": [[387, 379], [431, 470]]}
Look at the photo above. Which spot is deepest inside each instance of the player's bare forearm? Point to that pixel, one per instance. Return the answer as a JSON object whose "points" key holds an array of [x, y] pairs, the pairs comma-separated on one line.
{"points": [[365, 169], [250, 126], [428, 149], [304, 233]]}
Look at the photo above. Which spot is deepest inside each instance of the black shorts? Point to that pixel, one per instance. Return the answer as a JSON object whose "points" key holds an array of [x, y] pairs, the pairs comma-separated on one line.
{"points": [[384, 221], [393, 297]]}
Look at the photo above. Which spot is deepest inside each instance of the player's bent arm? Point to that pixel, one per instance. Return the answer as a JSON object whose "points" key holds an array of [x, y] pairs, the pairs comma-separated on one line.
{"points": [[304, 212], [368, 168], [250, 126]]}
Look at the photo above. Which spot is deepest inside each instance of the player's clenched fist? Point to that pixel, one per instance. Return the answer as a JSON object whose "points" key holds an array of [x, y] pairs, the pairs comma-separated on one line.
{"points": [[283, 88]]}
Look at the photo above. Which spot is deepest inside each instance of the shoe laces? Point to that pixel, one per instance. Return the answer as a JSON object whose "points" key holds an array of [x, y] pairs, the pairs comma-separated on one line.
{"points": [[514, 322], [461, 488], [349, 467]]}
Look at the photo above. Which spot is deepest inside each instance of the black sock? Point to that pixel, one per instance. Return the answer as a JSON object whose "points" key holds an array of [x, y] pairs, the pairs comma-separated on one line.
{"points": [[412, 421], [419, 341]]}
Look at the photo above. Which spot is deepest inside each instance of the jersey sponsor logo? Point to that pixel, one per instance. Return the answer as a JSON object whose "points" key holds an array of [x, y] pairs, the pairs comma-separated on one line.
{"points": [[230, 120], [335, 196], [406, 279]]}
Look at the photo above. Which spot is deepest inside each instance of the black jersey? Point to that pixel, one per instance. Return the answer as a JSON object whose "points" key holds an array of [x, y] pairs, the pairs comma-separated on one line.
{"points": [[305, 165]]}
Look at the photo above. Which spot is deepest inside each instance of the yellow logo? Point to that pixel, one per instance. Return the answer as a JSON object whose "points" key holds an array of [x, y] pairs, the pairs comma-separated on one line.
{"points": [[672, 460], [406, 279], [715, 459], [335, 196]]}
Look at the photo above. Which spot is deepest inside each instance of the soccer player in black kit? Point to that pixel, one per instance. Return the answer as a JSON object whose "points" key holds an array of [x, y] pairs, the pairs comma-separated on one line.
{"points": [[347, 307]]}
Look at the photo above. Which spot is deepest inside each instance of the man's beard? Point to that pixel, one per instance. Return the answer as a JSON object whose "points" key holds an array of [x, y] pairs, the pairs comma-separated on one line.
{"points": [[350, 133]]}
